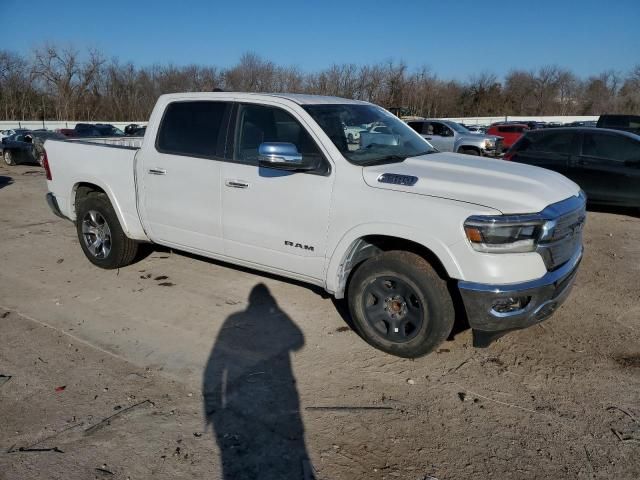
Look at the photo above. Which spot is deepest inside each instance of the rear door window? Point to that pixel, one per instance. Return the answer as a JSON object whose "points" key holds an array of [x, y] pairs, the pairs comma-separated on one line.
{"points": [[194, 129], [555, 142], [610, 147]]}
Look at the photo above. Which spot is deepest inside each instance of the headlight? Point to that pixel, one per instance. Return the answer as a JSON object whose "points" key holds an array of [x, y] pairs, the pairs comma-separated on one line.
{"points": [[504, 234], [488, 143]]}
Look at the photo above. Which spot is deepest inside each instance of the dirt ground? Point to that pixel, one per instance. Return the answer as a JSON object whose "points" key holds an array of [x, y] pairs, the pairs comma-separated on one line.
{"points": [[179, 367]]}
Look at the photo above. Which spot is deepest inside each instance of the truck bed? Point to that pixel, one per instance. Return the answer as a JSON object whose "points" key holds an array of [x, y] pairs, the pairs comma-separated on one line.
{"points": [[108, 163]]}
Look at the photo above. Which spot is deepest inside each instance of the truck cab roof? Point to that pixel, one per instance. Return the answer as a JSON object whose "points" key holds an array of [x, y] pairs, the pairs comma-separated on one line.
{"points": [[300, 99]]}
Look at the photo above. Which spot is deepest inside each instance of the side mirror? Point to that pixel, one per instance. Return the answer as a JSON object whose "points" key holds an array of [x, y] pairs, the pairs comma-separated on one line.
{"points": [[282, 156]]}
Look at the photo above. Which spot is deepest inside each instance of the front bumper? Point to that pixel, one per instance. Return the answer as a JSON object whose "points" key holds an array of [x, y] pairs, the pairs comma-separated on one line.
{"points": [[541, 299]]}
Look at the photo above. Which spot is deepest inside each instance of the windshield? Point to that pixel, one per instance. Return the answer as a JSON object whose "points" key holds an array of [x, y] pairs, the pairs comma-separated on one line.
{"points": [[383, 138], [457, 127]]}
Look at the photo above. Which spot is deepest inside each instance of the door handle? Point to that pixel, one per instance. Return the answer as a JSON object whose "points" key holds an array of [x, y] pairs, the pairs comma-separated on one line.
{"points": [[157, 171], [236, 183], [428, 138]]}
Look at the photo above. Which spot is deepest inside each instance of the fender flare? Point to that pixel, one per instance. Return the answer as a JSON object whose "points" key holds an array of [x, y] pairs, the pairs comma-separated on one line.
{"points": [[338, 266], [112, 198]]}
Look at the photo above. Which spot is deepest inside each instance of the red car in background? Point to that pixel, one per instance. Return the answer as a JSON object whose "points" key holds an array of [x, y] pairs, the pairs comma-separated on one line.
{"points": [[67, 132], [510, 132]]}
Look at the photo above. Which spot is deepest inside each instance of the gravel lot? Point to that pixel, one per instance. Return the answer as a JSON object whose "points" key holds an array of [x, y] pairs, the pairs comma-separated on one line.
{"points": [[141, 353]]}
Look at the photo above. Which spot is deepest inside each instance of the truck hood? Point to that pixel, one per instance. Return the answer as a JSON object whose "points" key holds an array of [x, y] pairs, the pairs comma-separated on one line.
{"points": [[476, 137], [499, 184]]}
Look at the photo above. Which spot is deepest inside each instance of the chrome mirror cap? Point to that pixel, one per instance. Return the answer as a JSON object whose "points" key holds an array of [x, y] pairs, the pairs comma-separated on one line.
{"points": [[282, 156]]}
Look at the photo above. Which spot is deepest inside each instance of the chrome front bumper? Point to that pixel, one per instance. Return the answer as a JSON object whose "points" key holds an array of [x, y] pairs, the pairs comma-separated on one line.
{"points": [[542, 298]]}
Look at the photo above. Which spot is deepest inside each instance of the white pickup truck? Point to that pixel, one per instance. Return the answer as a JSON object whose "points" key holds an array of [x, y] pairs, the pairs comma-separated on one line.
{"points": [[412, 237]]}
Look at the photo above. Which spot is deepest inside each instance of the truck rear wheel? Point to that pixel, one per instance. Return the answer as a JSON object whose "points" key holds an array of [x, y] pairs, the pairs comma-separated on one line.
{"points": [[400, 305], [100, 234]]}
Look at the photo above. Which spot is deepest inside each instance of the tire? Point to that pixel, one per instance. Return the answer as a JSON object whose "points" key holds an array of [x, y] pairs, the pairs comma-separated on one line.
{"points": [[100, 234], [400, 305], [8, 157]]}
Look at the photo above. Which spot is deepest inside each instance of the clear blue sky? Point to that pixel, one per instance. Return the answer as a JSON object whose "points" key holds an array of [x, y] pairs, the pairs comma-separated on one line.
{"points": [[455, 38]]}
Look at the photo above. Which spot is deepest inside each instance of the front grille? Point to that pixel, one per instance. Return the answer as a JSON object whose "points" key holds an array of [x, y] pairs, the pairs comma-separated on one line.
{"points": [[499, 147], [565, 238]]}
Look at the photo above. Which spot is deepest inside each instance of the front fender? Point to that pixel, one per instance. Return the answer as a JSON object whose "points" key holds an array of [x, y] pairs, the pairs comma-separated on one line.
{"points": [[335, 278]]}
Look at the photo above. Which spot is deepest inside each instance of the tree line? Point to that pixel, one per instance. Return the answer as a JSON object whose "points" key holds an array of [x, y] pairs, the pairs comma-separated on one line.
{"points": [[57, 83]]}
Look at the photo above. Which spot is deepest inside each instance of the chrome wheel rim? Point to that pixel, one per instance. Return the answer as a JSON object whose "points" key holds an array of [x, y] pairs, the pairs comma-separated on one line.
{"points": [[96, 234], [7, 157]]}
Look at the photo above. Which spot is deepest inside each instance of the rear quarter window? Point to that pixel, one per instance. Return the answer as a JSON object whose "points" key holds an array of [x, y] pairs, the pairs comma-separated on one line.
{"points": [[610, 147]]}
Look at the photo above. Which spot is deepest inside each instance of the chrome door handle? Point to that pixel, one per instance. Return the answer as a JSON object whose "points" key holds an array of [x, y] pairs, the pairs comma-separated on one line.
{"points": [[157, 171], [236, 184]]}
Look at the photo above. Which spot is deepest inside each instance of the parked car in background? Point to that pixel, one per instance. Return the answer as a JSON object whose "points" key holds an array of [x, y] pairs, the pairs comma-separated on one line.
{"points": [[604, 162], [509, 132], [581, 123], [27, 147], [353, 132], [96, 130], [67, 132], [448, 136], [475, 128], [12, 131], [627, 123], [135, 130]]}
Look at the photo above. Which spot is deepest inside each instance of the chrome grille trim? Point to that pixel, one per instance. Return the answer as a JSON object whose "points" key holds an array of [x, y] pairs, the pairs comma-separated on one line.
{"points": [[562, 237]]}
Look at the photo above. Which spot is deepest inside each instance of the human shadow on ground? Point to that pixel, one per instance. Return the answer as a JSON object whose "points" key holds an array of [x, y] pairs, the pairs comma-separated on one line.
{"points": [[5, 181], [250, 394]]}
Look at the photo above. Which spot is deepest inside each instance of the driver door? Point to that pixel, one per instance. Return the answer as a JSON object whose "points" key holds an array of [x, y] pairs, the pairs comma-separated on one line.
{"points": [[274, 218], [443, 137]]}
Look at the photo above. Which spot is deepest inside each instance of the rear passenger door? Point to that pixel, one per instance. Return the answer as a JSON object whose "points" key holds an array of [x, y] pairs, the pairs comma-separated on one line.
{"points": [[608, 168], [179, 176]]}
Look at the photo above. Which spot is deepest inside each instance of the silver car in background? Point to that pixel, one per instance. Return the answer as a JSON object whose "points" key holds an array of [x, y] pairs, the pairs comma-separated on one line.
{"points": [[448, 136]]}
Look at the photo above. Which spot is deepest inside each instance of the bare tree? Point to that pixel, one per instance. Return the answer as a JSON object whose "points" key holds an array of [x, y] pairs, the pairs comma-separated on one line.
{"points": [[64, 83]]}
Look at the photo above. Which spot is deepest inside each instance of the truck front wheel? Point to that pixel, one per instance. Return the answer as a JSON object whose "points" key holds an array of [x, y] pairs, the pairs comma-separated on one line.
{"points": [[100, 234], [400, 305]]}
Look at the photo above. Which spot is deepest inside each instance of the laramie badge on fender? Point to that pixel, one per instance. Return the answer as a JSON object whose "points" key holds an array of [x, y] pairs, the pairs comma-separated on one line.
{"points": [[298, 245]]}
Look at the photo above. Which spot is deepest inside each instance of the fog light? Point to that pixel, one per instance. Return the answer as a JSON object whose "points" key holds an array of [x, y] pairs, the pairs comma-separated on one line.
{"points": [[510, 304]]}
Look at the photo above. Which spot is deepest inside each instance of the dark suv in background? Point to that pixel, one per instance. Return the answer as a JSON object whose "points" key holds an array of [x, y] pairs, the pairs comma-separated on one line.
{"points": [[605, 163], [627, 123]]}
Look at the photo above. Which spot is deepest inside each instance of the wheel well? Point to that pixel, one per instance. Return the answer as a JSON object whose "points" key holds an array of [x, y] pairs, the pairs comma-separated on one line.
{"points": [[468, 147], [84, 190], [371, 245]]}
